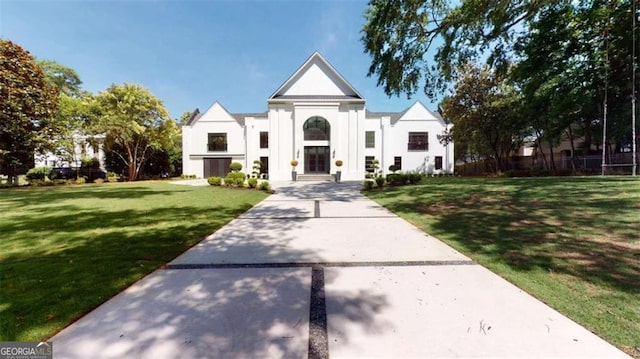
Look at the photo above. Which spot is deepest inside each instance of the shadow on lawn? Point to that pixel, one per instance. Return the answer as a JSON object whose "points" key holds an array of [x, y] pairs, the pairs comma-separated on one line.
{"points": [[194, 313], [577, 226]]}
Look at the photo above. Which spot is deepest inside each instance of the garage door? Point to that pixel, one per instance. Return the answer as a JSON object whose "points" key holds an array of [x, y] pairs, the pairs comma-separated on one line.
{"points": [[216, 166]]}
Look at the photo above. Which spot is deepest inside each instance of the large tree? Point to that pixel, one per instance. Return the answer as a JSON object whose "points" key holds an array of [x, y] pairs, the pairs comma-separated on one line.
{"points": [[27, 107], [64, 78], [566, 57], [483, 110], [135, 123]]}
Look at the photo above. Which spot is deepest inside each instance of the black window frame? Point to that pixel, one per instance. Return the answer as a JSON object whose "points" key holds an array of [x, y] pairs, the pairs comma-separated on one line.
{"points": [[418, 141], [264, 139], [373, 139], [438, 162], [397, 161], [368, 160], [264, 165], [214, 145]]}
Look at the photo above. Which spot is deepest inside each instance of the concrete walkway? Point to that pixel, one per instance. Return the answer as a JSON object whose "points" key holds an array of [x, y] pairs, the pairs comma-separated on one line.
{"points": [[318, 270]]}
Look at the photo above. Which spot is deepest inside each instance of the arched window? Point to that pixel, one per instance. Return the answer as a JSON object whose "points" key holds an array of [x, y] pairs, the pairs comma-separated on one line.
{"points": [[316, 129]]}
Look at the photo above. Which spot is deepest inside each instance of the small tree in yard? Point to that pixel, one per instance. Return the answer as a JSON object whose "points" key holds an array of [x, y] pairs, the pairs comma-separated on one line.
{"points": [[135, 121]]}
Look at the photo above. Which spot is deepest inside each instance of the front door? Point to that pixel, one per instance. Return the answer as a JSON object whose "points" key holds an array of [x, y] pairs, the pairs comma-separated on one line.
{"points": [[316, 159]]}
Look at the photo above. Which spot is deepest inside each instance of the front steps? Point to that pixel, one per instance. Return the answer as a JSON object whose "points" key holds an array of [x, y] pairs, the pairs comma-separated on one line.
{"points": [[316, 177]]}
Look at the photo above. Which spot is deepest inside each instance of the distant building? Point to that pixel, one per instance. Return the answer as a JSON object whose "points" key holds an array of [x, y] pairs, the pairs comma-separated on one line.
{"points": [[316, 117], [85, 146]]}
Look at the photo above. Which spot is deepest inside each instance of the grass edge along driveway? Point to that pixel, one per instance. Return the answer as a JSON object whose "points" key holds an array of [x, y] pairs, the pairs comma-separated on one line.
{"points": [[572, 242], [65, 250]]}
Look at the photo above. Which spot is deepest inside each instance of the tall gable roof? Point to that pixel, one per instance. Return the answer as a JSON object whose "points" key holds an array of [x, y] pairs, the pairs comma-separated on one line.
{"points": [[316, 79]]}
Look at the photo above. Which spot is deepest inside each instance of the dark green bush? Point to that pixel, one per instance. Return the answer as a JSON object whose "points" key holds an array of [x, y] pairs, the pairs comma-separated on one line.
{"points": [[368, 185], [380, 181], [235, 166], [215, 180], [38, 173], [394, 168], [234, 179], [415, 177], [253, 182]]}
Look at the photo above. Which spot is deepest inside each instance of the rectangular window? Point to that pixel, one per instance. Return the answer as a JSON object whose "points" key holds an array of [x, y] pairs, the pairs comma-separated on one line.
{"points": [[397, 161], [217, 142], [368, 164], [438, 162], [264, 168], [264, 139], [418, 141], [370, 139]]}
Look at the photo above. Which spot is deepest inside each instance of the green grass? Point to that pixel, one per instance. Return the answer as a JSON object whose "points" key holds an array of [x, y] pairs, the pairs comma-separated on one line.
{"points": [[573, 242], [65, 250]]}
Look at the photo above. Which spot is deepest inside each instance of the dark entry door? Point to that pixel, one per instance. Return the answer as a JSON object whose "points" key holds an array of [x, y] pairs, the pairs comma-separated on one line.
{"points": [[216, 166], [316, 159]]}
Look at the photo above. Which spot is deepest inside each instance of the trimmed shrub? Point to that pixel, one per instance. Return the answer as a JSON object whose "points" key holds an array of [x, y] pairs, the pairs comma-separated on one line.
{"points": [[38, 173], [394, 168], [81, 180], [253, 182], [338, 163], [234, 179], [415, 177], [264, 186], [215, 180], [98, 181], [380, 181], [368, 185], [112, 177], [235, 166]]}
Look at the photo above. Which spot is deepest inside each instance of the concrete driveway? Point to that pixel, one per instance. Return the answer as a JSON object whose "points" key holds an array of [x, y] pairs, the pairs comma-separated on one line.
{"points": [[318, 270]]}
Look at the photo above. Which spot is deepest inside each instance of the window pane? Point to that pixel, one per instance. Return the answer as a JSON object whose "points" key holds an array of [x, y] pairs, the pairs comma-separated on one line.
{"points": [[370, 139], [397, 161], [316, 129], [217, 142], [264, 139], [418, 141], [438, 162], [368, 161]]}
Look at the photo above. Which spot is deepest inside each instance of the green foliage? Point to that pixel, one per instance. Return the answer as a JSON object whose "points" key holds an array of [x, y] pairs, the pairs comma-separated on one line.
{"points": [[215, 180], [394, 168], [252, 182], [235, 166], [415, 177], [90, 162], [38, 173], [112, 177], [379, 181], [64, 78], [368, 185], [234, 179], [27, 107], [135, 122], [257, 167], [264, 186], [81, 180]]}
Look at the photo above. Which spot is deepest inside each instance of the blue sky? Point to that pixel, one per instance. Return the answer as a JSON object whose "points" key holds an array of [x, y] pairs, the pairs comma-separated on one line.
{"points": [[192, 53]]}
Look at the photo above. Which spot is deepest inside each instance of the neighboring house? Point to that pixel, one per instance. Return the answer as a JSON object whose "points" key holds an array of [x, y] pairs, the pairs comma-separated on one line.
{"points": [[84, 146], [315, 117]]}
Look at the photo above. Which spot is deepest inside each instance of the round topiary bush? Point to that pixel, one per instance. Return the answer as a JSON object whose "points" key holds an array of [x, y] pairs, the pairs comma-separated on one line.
{"points": [[215, 180], [235, 166], [294, 163], [339, 163], [252, 182]]}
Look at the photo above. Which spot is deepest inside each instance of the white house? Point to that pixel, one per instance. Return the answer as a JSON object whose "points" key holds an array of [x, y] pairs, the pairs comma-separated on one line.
{"points": [[84, 146], [316, 117]]}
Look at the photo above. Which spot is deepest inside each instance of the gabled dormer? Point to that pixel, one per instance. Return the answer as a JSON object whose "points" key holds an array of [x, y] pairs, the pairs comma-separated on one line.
{"points": [[316, 80], [215, 113]]}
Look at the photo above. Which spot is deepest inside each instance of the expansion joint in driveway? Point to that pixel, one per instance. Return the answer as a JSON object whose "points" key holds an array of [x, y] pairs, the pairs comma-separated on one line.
{"points": [[319, 264], [318, 338]]}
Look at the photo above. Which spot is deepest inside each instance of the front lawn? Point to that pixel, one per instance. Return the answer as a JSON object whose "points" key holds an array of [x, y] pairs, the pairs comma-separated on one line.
{"points": [[573, 242], [65, 250]]}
